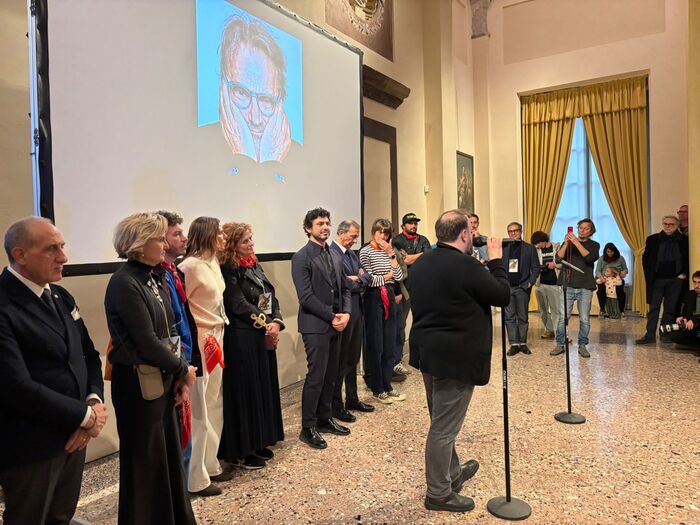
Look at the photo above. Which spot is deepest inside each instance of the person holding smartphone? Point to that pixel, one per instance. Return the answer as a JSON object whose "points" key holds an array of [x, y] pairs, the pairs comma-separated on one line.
{"points": [[580, 251]]}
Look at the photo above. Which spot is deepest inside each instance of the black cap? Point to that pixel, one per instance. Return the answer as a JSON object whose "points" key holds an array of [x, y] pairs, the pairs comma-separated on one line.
{"points": [[409, 217]]}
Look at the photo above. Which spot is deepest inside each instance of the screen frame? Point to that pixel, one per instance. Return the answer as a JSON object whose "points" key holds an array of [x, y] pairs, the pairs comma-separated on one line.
{"points": [[42, 166]]}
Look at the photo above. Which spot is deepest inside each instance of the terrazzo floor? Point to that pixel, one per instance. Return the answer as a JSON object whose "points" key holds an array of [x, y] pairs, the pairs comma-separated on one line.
{"points": [[635, 460]]}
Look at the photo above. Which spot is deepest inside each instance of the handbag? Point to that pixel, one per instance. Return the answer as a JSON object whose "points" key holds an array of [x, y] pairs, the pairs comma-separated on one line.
{"points": [[150, 381]]}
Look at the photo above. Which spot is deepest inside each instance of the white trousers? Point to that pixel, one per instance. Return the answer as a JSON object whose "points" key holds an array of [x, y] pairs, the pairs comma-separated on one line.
{"points": [[207, 403]]}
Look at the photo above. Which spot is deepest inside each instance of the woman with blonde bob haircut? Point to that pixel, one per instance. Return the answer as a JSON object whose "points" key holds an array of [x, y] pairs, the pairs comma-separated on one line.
{"points": [[148, 373], [252, 409], [204, 286]]}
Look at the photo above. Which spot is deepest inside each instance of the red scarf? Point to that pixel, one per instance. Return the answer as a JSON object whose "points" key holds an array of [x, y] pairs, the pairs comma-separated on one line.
{"points": [[383, 293], [410, 237], [178, 282], [248, 262]]}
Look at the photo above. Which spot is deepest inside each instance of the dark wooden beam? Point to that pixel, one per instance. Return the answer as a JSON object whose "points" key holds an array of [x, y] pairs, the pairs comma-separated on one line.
{"points": [[383, 89]]}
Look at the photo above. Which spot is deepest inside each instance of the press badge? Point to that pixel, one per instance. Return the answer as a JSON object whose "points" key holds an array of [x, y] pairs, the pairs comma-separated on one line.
{"points": [[265, 303], [513, 265]]}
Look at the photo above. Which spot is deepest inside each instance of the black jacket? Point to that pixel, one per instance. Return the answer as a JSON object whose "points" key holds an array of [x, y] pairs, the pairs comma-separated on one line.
{"points": [[688, 306], [352, 266], [243, 290], [451, 299], [138, 322], [315, 289], [529, 264], [651, 252], [48, 367]]}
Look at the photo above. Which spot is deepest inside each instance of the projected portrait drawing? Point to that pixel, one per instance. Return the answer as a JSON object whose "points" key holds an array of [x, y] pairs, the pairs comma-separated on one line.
{"points": [[252, 92]]}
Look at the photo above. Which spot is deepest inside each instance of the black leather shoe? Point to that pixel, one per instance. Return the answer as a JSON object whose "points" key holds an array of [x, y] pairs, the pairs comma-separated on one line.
{"points": [[646, 340], [344, 416], [468, 470], [359, 406], [211, 490], [452, 503], [226, 473], [525, 350], [330, 426], [264, 453], [514, 349], [311, 437]]}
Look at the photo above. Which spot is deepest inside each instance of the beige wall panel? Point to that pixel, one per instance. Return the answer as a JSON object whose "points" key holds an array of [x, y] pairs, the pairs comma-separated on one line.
{"points": [[540, 28], [377, 184]]}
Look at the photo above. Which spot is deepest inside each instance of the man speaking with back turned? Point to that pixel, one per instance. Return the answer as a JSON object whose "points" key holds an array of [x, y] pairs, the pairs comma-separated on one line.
{"points": [[450, 343]]}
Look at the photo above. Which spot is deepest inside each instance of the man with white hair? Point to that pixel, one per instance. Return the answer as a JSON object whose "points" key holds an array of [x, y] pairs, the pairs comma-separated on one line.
{"points": [[51, 386]]}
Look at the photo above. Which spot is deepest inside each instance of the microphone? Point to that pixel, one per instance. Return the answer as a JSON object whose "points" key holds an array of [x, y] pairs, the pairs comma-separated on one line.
{"points": [[478, 242]]}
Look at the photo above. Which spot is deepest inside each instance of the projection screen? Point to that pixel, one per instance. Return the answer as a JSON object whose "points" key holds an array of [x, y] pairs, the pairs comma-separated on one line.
{"points": [[232, 109]]}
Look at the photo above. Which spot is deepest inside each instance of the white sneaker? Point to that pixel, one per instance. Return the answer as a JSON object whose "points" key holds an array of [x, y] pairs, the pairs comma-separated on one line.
{"points": [[395, 396], [400, 369], [383, 398]]}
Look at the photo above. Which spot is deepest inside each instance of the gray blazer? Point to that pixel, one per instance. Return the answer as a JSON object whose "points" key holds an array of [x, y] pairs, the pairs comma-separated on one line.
{"points": [[315, 289]]}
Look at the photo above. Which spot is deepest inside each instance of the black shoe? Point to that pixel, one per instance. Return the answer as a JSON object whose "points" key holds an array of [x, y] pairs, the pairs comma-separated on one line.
{"points": [[211, 490], [359, 406], [646, 340], [468, 470], [344, 416], [665, 338], [398, 378], [514, 349], [452, 503], [311, 437], [250, 462], [264, 453], [226, 473], [525, 350], [330, 426]]}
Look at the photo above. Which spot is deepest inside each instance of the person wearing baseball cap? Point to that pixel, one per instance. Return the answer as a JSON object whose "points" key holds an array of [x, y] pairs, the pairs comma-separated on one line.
{"points": [[411, 245]]}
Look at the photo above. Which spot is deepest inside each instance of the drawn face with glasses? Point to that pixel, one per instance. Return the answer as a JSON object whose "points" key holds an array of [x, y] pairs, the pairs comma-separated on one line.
{"points": [[253, 87]]}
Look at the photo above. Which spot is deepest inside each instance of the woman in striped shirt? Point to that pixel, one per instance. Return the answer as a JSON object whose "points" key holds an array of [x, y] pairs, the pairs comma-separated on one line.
{"points": [[378, 260]]}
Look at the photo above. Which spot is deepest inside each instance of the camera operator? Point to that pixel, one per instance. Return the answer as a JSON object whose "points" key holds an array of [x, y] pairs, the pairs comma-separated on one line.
{"points": [[688, 333]]}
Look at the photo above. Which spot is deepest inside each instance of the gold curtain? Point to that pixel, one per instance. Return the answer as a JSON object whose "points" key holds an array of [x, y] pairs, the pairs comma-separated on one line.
{"points": [[547, 126], [615, 117]]}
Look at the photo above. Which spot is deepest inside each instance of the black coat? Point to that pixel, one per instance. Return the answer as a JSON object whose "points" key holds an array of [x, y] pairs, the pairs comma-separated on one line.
{"points": [[243, 290], [315, 289], [48, 367], [138, 322], [451, 299], [688, 306], [529, 264], [651, 252]]}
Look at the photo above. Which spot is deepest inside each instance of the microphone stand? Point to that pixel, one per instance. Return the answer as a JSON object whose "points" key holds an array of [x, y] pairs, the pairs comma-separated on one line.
{"points": [[507, 507], [568, 417]]}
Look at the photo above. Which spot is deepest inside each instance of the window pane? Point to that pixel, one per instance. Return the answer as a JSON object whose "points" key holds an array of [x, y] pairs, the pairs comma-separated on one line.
{"points": [[606, 227]]}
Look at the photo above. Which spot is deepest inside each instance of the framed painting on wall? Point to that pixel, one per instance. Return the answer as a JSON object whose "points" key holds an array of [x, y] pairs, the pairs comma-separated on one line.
{"points": [[465, 181]]}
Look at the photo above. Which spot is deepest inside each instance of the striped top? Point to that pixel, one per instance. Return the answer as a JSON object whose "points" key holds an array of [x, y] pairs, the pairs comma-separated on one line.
{"points": [[377, 263]]}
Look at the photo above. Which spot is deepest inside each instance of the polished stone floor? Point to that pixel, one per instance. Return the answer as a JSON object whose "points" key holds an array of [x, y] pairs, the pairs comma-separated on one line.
{"points": [[635, 460]]}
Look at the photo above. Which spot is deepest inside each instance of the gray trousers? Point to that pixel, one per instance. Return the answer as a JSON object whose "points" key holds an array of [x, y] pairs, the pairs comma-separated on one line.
{"points": [[448, 400], [516, 315], [548, 299]]}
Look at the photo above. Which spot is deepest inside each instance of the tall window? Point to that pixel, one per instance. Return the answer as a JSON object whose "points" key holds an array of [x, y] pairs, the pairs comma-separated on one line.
{"points": [[584, 197]]}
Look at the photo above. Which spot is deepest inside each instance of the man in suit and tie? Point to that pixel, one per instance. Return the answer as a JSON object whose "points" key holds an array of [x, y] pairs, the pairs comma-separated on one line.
{"points": [[324, 312], [523, 268], [351, 341], [50, 380]]}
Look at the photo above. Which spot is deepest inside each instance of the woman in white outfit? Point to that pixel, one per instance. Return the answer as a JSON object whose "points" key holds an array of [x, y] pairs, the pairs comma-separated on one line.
{"points": [[204, 286]]}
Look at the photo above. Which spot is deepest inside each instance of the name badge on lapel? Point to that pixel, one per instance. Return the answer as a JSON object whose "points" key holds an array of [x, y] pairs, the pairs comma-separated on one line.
{"points": [[265, 303]]}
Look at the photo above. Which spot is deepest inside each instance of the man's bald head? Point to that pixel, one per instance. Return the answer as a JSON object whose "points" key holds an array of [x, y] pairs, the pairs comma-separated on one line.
{"points": [[34, 247]]}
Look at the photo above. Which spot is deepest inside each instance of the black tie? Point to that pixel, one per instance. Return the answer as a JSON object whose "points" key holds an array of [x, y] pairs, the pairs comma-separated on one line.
{"points": [[326, 257], [48, 300]]}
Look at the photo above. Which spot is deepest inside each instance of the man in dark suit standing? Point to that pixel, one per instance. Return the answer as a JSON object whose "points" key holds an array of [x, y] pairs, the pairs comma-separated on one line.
{"points": [[450, 343], [523, 268], [50, 380], [351, 341], [665, 263], [324, 312]]}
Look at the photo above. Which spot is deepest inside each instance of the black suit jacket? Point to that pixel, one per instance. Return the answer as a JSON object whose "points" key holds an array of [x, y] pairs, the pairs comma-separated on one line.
{"points": [[688, 306], [315, 289], [243, 290], [351, 266], [529, 264], [451, 299], [48, 367], [651, 252]]}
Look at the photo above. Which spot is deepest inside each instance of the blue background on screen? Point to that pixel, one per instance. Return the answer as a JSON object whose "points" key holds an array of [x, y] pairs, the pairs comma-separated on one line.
{"points": [[211, 20]]}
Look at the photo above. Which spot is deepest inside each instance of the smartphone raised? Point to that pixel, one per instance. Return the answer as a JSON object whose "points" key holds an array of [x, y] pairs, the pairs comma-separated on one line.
{"points": [[570, 229]]}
